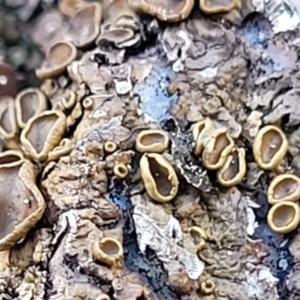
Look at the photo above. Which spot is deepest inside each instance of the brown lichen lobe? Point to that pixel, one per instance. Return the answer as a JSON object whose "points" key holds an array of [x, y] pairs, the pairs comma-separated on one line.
{"points": [[159, 177], [170, 10], [284, 187], [269, 147], [43, 133], [22, 204], [30, 102], [284, 217]]}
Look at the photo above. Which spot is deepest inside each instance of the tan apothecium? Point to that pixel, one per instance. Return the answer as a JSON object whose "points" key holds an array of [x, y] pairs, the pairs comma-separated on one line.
{"points": [[159, 177], [153, 140], [284, 187], [269, 147], [284, 217], [234, 168], [217, 149]]}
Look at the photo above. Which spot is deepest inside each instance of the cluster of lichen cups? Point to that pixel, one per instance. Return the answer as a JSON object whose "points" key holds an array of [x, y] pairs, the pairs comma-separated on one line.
{"points": [[158, 175], [161, 184], [269, 148], [30, 133], [219, 152]]}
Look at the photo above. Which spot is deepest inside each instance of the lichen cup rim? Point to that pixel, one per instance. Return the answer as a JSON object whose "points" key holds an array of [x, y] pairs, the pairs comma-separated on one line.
{"points": [[276, 180], [42, 103], [209, 149], [102, 256], [11, 152], [27, 145], [219, 9], [97, 14], [149, 182], [22, 228], [242, 168], [154, 147], [13, 119], [150, 9], [51, 72], [291, 225], [201, 136], [277, 158]]}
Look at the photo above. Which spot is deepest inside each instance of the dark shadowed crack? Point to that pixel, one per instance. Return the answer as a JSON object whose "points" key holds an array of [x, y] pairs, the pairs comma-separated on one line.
{"points": [[279, 259], [148, 267]]}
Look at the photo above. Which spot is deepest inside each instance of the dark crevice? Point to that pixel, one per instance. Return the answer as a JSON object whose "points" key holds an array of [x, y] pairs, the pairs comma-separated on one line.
{"points": [[148, 267]]}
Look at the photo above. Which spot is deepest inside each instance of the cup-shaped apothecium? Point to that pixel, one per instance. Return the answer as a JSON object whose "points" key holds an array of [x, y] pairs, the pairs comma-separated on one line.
{"points": [[10, 156], [284, 187], [234, 168], [153, 140], [84, 26], [22, 204], [159, 177], [30, 102], [103, 297], [168, 10], [121, 170], [217, 149], [8, 122], [43, 133], [110, 147], [218, 6], [202, 131], [269, 147], [108, 251], [58, 57], [207, 287], [199, 237], [284, 217]]}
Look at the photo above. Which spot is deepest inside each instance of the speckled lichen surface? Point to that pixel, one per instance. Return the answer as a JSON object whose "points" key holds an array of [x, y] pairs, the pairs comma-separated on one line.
{"points": [[149, 150]]}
